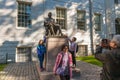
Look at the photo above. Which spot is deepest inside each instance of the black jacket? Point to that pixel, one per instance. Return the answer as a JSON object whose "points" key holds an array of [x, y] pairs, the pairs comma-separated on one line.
{"points": [[111, 64]]}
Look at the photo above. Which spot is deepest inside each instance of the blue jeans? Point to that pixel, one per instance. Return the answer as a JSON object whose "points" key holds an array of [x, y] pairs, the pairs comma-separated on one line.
{"points": [[41, 59]]}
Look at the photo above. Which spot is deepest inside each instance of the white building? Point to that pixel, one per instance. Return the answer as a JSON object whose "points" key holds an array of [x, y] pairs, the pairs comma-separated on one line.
{"points": [[112, 17], [21, 24]]}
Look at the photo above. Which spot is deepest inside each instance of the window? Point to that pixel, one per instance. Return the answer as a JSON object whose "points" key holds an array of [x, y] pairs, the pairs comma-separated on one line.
{"points": [[97, 22], [61, 17], [23, 54], [82, 50], [81, 19], [117, 2], [24, 14], [117, 25]]}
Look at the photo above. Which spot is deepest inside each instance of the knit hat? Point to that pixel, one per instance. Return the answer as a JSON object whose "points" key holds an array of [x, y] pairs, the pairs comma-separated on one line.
{"points": [[116, 39]]}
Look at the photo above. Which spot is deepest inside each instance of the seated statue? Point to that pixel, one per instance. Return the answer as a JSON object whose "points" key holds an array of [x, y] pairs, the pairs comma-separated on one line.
{"points": [[51, 27]]}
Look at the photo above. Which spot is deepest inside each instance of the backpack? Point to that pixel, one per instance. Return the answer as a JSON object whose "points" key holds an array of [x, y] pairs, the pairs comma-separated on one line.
{"points": [[77, 48]]}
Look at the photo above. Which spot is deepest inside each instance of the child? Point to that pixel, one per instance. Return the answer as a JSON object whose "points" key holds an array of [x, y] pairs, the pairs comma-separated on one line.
{"points": [[41, 50]]}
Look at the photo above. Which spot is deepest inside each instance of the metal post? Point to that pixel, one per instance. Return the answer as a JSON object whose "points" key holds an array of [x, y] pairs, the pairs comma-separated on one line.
{"points": [[91, 26]]}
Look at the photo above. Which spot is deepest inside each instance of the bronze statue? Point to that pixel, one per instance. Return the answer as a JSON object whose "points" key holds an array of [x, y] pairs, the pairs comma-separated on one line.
{"points": [[51, 27]]}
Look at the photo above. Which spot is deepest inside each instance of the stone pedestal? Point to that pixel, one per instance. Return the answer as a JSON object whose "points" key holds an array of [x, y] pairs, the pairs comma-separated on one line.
{"points": [[76, 73], [48, 76], [53, 45]]}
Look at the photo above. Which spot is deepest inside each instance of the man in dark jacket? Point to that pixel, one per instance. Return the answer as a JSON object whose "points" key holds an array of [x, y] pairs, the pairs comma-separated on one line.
{"points": [[111, 60]]}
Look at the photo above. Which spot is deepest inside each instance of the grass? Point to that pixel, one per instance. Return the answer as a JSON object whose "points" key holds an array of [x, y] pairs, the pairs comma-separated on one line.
{"points": [[90, 59], [2, 66]]}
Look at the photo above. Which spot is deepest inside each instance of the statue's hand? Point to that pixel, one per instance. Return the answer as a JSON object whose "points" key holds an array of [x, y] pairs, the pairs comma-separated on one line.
{"points": [[51, 23]]}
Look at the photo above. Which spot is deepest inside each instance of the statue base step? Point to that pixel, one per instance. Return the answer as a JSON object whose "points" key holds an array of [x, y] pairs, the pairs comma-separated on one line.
{"points": [[75, 73], [48, 76]]}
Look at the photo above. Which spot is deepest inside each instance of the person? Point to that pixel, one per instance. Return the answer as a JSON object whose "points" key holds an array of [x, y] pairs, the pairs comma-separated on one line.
{"points": [[104, 46], [50, 26], [64, 60], [111, 60], [72, 49], [41, 50]]}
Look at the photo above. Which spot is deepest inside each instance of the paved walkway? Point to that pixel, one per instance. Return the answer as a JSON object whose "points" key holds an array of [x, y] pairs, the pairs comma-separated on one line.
{"points": [[88, 71], [28, 71], [20, 71]]}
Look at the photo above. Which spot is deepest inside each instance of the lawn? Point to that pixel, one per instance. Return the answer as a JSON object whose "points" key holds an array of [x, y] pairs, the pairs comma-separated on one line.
{"points": [[90, 59], [2, 66]]}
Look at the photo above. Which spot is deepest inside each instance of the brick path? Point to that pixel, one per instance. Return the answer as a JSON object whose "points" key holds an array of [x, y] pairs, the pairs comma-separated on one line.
{"points": [[20, 71], [28, 71], [88, 71]]}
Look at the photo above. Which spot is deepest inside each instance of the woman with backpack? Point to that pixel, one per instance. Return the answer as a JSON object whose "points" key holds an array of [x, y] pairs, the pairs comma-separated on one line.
{"points": [[73, 48]]}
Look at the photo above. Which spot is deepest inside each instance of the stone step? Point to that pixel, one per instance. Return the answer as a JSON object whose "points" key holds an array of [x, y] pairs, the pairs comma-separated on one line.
{"points": [[48, 76], [75, 74]]}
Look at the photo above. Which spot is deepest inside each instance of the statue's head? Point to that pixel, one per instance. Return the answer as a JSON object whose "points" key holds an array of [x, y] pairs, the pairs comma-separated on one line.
{"points": [[50, 14]]}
